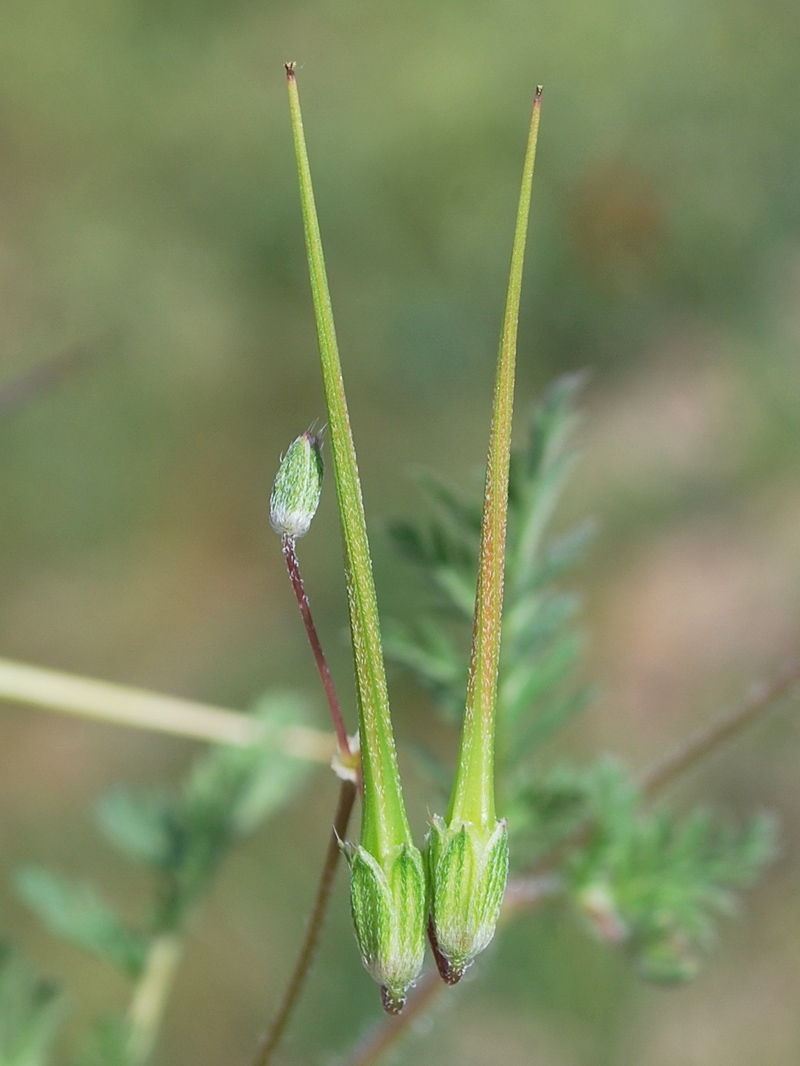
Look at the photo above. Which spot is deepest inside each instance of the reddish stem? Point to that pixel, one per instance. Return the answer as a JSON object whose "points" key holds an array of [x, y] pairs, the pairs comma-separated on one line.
{"points": [[272, 1038], [293, 566]]}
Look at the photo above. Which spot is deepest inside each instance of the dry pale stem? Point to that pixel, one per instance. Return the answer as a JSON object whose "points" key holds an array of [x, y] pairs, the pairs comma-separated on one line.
{"points": [[120, 705]]}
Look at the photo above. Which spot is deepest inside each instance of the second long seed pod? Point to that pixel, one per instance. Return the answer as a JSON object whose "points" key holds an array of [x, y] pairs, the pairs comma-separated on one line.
{"points": [[467, 852]]}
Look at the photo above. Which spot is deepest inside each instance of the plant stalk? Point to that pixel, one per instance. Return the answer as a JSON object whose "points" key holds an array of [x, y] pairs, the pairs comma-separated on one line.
{"points": [[384, 821], [150, 996], [724, 726], [473, 791], [277, 1027], [296, 577], [120, 705]]}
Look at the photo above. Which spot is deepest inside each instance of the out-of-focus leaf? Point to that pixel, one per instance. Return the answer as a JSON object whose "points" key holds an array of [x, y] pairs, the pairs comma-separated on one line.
{"points": [[229, 793], [663, 880], [77, 913], [30, 1010], [138, 825], [107, 1044], [237, 788]]}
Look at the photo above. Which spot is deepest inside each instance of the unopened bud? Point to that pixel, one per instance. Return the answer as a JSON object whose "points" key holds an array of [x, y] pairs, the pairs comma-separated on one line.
{"points": [[467, 870], [297, 488], [389, 906]]}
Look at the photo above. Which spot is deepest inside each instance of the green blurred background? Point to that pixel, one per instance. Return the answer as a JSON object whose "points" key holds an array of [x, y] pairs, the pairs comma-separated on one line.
{"points": [[149, 210]]}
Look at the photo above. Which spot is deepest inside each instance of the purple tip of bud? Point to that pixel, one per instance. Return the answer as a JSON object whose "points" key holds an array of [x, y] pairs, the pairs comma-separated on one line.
{"points": [[391, 1004]]}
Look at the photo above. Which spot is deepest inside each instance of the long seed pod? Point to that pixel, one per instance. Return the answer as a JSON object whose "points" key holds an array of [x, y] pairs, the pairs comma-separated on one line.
{"points": [[388, 892], [468, 850]]}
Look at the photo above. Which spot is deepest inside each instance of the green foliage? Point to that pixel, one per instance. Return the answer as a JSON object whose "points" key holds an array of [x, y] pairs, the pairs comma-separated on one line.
{"points": [[30, 1009], [137, 825], [77, 913], [182, 836], [536, 696], [642, 879], [654, 882], [107, 1045], [648, 881]]}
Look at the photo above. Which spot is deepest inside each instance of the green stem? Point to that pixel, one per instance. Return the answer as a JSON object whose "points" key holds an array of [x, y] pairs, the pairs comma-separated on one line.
{"points": [[150, 996], [384, 823], [473, 791]]}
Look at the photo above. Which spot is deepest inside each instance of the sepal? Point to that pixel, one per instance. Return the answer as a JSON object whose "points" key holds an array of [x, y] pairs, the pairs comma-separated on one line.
{"points": [[389, 905], [467, 872]]}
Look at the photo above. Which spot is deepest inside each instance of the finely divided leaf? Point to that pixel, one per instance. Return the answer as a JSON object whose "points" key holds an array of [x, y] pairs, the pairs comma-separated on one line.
{"points": [[30, 1010], [137, 825], [77, 913]]}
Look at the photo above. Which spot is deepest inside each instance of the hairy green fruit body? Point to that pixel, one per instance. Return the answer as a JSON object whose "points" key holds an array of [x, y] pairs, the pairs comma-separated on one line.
{"points": [[389, 903], [467, 872]]}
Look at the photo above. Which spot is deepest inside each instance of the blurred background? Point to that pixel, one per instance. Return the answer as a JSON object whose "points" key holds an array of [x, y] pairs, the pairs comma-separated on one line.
{"points": [[149, 214]]}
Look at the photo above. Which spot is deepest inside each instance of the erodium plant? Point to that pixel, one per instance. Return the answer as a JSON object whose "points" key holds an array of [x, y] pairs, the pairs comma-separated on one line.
{"points": [[495, 645], [462, 883]]}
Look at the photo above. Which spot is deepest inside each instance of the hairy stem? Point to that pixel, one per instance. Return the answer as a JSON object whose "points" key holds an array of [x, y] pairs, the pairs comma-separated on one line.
{"points": [[293, 566], [119, 705], [150, 996], [277, 1027]]}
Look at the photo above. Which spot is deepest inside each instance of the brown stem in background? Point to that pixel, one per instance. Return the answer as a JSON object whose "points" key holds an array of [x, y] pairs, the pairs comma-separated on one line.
{"points": [[280, 1020], [381, 1037], [721, 728], [523, 893], [293, 566], [705, 740], [40, 379]]}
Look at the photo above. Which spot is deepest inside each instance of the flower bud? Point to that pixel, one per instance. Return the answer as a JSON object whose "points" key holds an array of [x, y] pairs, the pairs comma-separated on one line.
{"points": [[467, 872], [297, 488], [389, 905]]}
